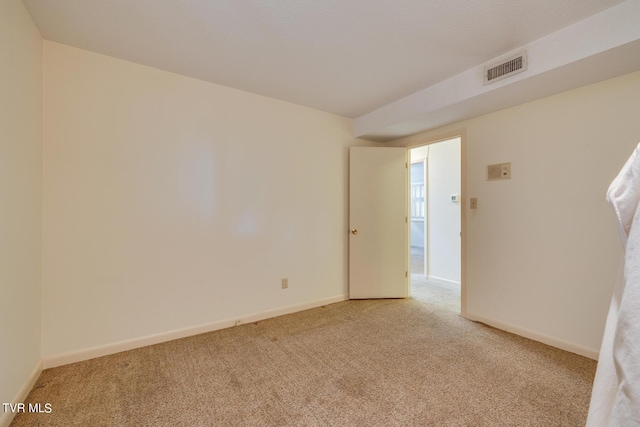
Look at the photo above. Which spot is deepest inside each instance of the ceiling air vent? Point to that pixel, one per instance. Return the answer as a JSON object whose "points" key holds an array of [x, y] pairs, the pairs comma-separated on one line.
{"points": [[508, 67]]}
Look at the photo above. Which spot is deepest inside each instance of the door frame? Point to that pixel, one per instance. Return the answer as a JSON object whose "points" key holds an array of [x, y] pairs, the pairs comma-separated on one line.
{"points": [[418, 141]]}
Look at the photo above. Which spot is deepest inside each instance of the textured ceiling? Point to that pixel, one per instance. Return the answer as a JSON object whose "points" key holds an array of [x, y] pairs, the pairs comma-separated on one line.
{"points": [[347, 57]]}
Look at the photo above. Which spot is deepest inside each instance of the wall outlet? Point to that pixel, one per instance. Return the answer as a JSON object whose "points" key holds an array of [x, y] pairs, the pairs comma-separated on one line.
{"points": [[285, 283], [238, 322], [474, 203]]}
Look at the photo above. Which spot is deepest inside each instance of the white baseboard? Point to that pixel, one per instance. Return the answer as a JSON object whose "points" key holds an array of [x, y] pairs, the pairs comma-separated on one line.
{"points": [[443, 281], [7, 417], [117, 347], [545, 339]]}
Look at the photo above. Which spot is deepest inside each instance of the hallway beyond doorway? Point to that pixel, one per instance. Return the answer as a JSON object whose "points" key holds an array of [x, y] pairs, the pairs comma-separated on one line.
{"points": [[445, 296]]}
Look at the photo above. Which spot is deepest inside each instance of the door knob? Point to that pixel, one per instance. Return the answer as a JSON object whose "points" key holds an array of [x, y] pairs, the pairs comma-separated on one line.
{"points": [[354, 231]]}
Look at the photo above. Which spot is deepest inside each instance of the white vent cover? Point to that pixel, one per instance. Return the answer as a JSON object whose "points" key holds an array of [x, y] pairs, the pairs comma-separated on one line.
{"points": [[507, 67]]}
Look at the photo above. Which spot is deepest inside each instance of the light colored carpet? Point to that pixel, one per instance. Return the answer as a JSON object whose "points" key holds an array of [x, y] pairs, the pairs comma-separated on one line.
{"points": [[440, 295], [355, 363]]}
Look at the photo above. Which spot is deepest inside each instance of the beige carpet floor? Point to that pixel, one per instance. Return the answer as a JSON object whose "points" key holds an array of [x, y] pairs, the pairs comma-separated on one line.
{"points": [[354, 363], [439, 295]]}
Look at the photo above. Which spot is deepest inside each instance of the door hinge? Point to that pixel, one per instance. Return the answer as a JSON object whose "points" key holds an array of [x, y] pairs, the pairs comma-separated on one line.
{"points": [[406, 274], [406, 220]]}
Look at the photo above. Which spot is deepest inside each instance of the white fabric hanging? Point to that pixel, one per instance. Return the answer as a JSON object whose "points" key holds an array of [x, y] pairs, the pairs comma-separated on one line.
{"points": [[615, 400]]}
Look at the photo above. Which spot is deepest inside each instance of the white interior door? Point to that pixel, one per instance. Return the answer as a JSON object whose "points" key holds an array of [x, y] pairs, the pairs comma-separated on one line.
{"points": [[378, 242]]}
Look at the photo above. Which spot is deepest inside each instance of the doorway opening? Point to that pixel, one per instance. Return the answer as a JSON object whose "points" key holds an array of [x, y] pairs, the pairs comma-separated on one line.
{"points": [[435, 223]]}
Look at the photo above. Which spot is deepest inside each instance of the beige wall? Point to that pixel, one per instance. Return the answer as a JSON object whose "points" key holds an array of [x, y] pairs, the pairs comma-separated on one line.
{"points": [[21, 195], [171, 202], [444, 215], [542, 248]]}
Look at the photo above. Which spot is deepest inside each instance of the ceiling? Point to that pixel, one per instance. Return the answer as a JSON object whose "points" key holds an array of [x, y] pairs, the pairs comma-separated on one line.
{"points": [[348, 57]]}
